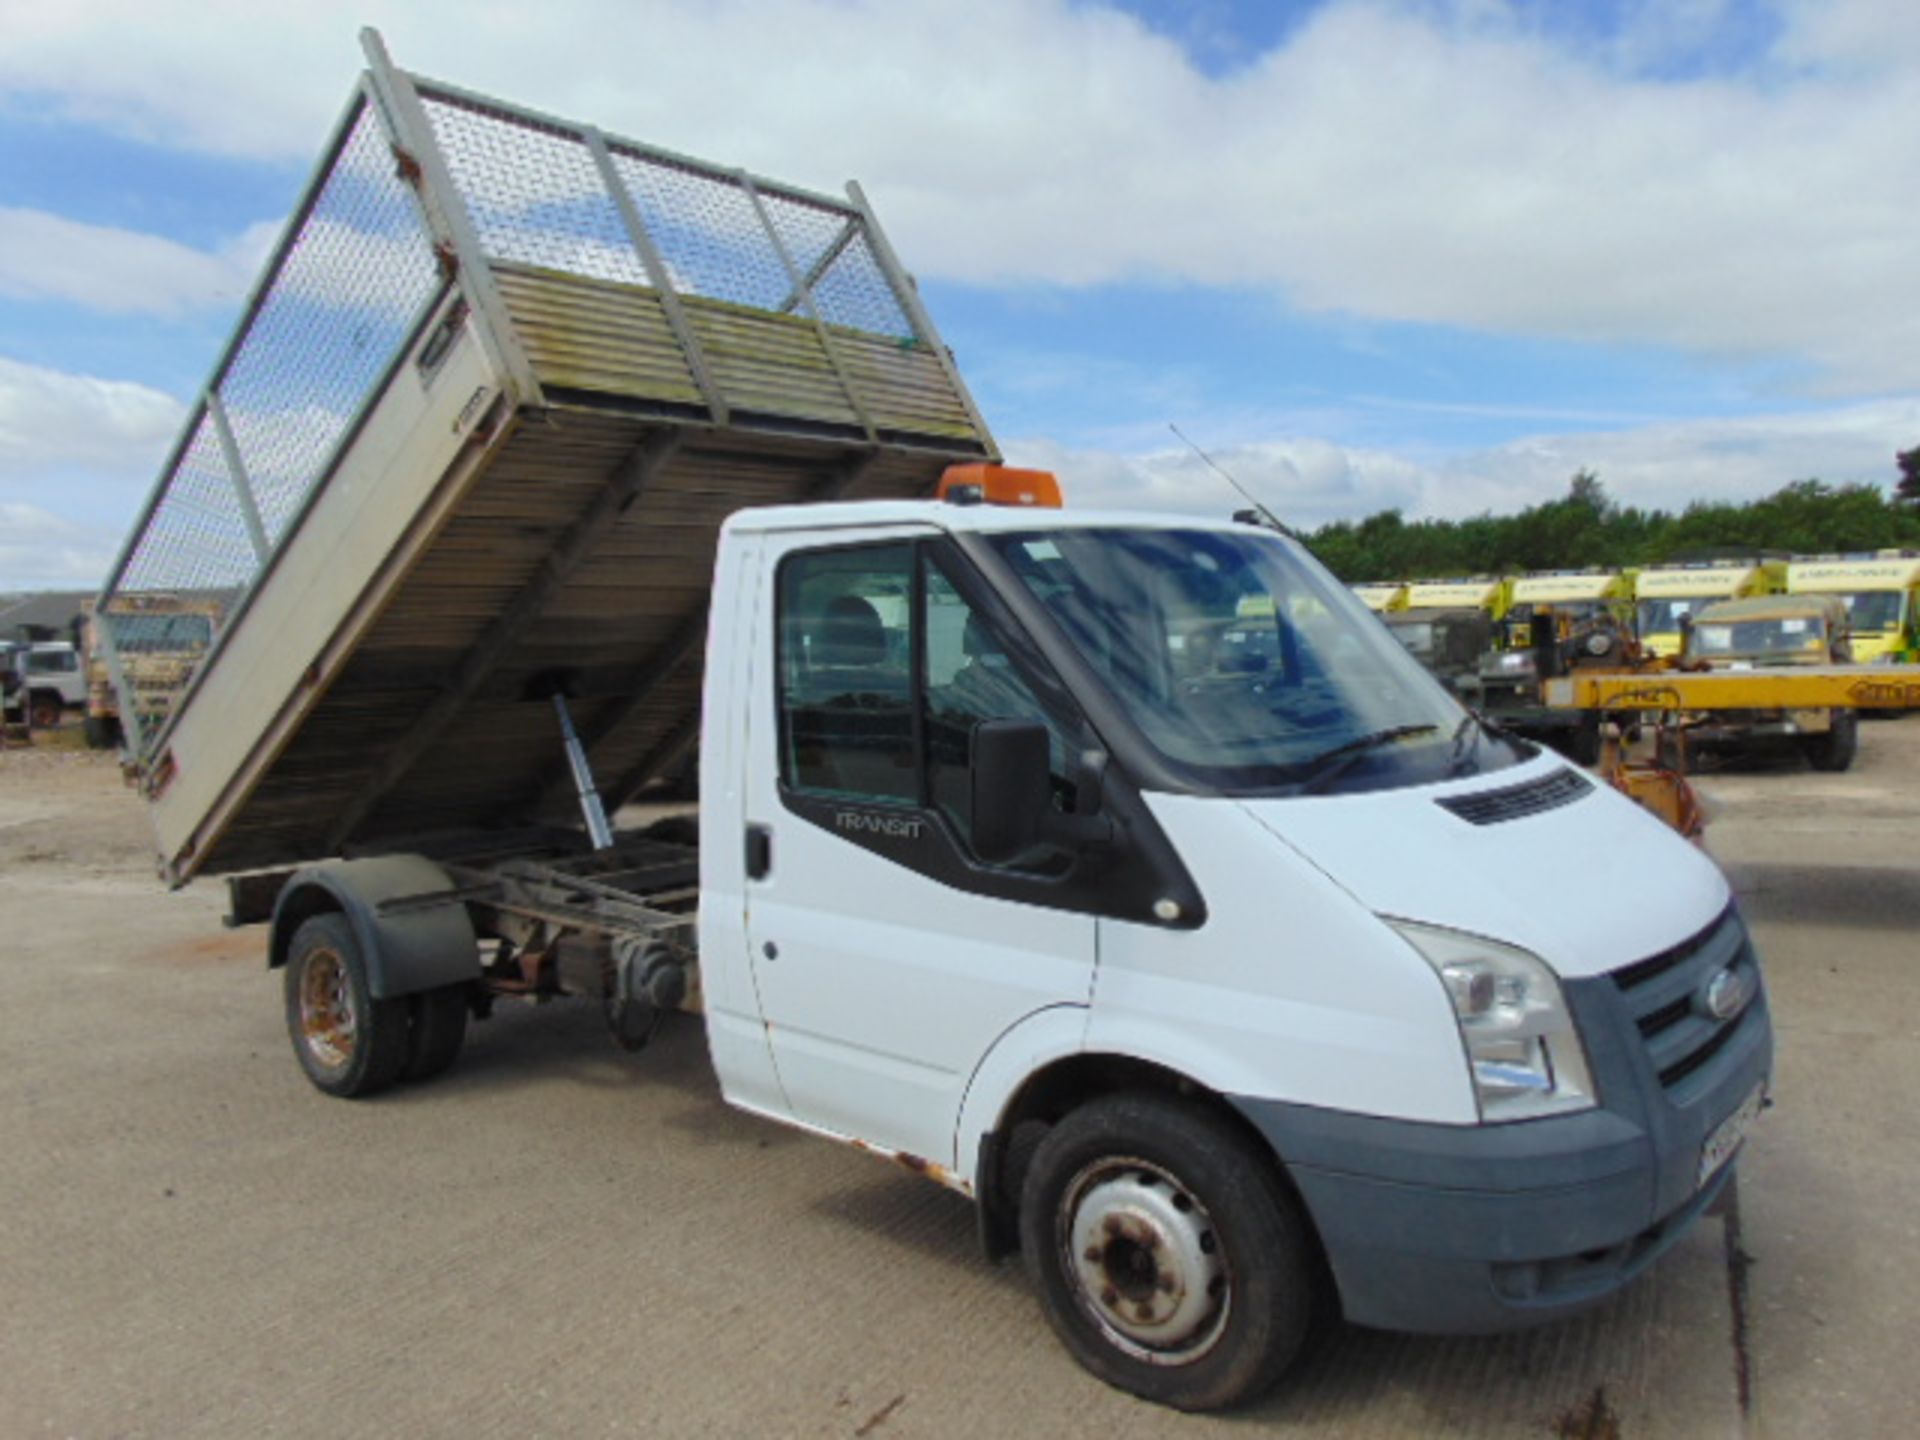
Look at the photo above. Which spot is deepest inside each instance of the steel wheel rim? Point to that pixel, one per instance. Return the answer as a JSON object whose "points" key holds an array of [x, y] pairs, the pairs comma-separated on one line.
{"points": [[1144, 1261], [328, 1019]]}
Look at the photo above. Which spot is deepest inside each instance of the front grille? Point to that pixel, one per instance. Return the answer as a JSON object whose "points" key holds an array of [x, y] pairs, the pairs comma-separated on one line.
{"points": [[1681, 1038], [1514, 802]]}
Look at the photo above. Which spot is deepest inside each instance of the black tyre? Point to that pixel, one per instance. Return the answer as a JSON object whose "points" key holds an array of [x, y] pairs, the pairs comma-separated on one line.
{"points": [[436, 1029], [44, 711], [102, 731], [1170, 1258], [1582, 743], [349, 1043], [1834, 751]]}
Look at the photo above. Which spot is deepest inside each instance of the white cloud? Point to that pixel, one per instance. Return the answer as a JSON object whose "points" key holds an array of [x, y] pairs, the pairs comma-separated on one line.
{"points": [[1664, 466], [77, 456], [49, 257], [51, 421], [41, 551], [1443, 162]]}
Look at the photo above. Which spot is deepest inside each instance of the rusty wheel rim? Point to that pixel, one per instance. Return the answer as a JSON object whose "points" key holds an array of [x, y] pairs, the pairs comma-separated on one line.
{"points": [[1145, 1261], [328, 1020]]}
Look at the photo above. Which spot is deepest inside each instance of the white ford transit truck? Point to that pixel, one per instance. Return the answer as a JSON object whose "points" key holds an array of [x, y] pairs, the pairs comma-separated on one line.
{"points": [[1116, 871]]}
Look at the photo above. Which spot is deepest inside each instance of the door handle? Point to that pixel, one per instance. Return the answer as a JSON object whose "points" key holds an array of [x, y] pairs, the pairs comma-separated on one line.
{"points": [[759, 852]]}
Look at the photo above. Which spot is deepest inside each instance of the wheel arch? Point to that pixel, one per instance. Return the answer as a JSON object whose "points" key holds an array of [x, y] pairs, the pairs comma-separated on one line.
{"points": [[1057, 1087], [406, 951]]}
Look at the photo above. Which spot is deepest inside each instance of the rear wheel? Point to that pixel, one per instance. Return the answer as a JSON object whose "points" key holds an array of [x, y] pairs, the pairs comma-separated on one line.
{"points": [[1169, 1257], [436, 1029], [1834, 751], [349, 1043], [43, 711]]}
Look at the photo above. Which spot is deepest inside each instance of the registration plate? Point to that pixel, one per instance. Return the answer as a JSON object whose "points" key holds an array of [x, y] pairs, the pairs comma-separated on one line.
{"points": [[1728, 1134]]}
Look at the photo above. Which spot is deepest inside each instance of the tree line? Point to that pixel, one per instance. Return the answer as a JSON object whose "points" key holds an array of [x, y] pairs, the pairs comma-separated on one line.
{"points": [[1586, 527]]}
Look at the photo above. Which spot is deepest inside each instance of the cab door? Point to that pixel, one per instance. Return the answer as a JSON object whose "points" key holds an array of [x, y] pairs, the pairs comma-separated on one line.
{"points": [[886, 959]]}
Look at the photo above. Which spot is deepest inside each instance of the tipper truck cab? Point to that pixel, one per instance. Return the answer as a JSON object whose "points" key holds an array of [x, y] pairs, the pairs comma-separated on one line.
{"points": [[1115, 871], [1882, 596]]}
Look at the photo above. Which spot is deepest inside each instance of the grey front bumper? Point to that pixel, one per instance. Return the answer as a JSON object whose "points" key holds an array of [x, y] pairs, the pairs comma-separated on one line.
{"points": [[1461, 1229]]}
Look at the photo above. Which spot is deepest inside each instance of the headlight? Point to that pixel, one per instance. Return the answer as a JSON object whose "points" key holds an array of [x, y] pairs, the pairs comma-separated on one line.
{"points": [[1522, 1048]]}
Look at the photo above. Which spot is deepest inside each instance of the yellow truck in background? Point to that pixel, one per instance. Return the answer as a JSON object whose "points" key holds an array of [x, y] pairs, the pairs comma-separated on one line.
{"points": [[1772, 633], [1489, 593], [158, 639], [1666, 593], [1549, 614], [1447, 625], [1882, 596], [1381, 596], [1573, 597]]}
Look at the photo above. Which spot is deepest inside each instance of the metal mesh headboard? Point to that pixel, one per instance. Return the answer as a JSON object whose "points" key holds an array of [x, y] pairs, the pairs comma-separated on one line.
{"points": [[562, 196], [350, 283]]}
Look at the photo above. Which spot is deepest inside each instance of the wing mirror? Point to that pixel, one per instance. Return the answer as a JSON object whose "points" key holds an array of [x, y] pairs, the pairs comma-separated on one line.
{"points": [[1013, 793]]}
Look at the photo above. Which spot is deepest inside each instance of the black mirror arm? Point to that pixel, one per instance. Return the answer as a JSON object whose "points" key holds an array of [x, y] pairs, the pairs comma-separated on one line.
{"points": [[1078, 832], [1089, 824]]}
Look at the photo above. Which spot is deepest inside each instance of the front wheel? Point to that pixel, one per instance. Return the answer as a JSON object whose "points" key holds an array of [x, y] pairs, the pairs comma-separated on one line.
{"points": [[349, 1043], [1169, 1257], [1582, 744], [44, 712]]}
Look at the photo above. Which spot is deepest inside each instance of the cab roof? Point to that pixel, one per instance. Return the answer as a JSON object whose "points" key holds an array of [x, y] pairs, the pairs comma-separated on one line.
{"points": [[1886, 572], [958, 519], [1829, 608]]}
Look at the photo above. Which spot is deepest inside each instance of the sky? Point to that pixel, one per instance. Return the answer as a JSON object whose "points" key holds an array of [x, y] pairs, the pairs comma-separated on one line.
{"points": [[1428, 254]]}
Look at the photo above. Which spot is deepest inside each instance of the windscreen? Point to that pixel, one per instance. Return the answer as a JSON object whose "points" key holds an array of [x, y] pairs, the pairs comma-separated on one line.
{"points": [[1791, 637], [1246, 665], [1873, 610], [1662, 617]]}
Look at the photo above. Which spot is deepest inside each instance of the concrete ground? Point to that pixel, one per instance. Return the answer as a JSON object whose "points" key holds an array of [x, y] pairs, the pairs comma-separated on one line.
{"points": [[558, 1239]]}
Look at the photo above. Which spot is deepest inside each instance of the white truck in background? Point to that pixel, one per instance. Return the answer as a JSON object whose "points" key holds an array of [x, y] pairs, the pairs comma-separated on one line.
{"points": [[1117, 872], [51, 682]]}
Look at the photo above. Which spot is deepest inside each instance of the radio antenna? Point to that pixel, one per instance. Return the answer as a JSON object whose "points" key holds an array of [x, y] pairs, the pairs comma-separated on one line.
{"points": [[1259, 513]]}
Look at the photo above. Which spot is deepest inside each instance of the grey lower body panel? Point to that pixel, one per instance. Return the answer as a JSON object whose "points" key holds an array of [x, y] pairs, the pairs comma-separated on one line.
{"points": [[1471, 1229], [1449, 1262]]}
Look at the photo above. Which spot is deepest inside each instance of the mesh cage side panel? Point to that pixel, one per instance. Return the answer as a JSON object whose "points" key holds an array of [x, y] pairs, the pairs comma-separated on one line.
{"points": [[196, 541], [345, 291], [534, 193], [356, 276], [195, 555]]}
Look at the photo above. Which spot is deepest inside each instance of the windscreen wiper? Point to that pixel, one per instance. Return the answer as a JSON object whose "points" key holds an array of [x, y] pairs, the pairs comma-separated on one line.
{"points": [[1334, 763], [1470, 726]]}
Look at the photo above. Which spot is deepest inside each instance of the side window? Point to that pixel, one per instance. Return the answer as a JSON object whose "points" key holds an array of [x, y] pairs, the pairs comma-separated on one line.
{"points": [[970, 678], [845, 673]]}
